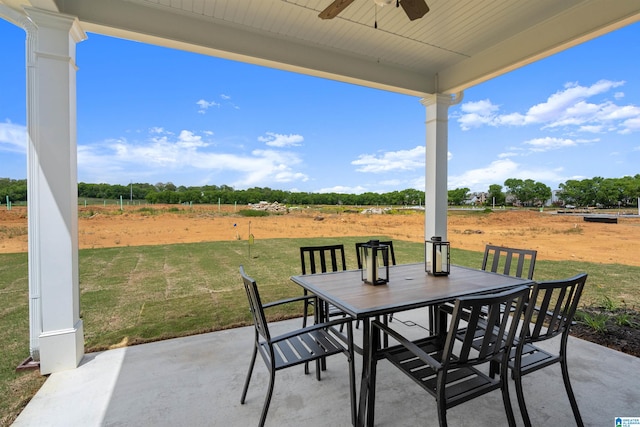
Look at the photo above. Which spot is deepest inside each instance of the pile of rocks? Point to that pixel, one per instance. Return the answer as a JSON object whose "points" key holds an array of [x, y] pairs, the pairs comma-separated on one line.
{"points": [[269, 207], [376, 211]]}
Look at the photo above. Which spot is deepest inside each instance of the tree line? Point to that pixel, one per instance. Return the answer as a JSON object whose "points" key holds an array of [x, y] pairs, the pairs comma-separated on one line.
{"points": [[595, 192], [211, 194], [598, 191]]}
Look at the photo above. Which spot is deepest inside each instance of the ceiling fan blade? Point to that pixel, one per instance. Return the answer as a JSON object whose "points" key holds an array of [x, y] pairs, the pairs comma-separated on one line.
{"points": [[334, 9], [415, 9]]}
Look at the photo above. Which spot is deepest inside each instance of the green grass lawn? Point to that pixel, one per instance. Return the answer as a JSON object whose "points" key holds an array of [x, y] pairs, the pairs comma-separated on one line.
{"points": [[133, 295]]}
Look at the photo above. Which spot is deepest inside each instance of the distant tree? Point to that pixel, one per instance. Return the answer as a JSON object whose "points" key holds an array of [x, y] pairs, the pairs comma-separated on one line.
{"points": [[457, 196], [571, 193], [528, 192], [14, 189], [496, 195], [413, 197], [540, 193]]}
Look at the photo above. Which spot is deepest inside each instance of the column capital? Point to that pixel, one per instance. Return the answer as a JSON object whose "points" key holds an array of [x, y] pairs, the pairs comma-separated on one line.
{"points": [[58, 21], [442, 99]]}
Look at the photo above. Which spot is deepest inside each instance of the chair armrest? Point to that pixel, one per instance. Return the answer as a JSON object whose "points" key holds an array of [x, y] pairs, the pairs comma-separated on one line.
{"points": [[417, 351], [288, 300], [311, 328]]}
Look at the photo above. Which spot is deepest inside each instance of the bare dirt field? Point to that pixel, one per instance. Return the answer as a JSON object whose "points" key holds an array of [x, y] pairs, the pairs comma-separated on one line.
{"points": [[554, 236]]}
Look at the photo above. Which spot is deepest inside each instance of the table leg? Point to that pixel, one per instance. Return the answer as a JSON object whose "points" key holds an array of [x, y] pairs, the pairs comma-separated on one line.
{"points": [[441, 322], [365, 403]]}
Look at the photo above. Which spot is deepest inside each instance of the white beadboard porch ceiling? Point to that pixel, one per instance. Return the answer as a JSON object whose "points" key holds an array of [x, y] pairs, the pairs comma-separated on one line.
{"points": [[457, 44]]}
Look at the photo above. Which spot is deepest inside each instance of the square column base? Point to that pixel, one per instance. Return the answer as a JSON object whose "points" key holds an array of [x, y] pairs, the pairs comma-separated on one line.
{"points": [[62, 349]]}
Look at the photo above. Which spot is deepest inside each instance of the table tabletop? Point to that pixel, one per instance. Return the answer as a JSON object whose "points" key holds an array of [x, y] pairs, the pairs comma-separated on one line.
{"points": [[409, 287]]}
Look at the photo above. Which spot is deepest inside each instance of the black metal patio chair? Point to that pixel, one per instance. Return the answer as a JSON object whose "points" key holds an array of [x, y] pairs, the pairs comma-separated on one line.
{"points": [[450, 370], [321, 259], [505, 260], [509, 261], [310, 344], [554, 307]]}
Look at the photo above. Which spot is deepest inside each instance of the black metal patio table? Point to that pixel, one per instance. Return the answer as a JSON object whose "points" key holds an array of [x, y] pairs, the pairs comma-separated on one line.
{"points": [[409, 287]]}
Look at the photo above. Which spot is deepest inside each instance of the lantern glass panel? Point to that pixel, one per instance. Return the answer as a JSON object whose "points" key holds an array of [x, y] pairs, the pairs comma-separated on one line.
{"points": [[375, 265], [437, 256]]}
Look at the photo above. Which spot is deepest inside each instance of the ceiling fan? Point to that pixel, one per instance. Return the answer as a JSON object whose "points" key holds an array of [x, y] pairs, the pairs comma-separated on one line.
{"points": [[414, 9]]}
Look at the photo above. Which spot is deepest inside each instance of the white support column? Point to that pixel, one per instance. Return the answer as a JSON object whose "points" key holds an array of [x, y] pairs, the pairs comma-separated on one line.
{"points": [[57, 338], [437, 154]]}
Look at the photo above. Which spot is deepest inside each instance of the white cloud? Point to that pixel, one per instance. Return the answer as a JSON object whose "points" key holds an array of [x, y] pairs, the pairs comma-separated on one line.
{"points": [[228, 102], [391, 160], [205, 105], [476, 114], [279, 140], [547, 144], [417, 183], [631, 125], [499, 171], [562, 101], [479, 179], [566, 108], [13, 138], [265, 166], [164, 155], [188, 139], [592, 129]]}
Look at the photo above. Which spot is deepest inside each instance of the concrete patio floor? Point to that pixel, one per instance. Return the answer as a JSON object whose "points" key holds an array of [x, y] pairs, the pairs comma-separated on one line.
{"points": [[197, 381]]}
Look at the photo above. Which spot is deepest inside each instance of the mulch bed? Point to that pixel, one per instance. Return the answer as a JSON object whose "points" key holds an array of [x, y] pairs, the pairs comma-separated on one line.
{"points": [[620, 331]]}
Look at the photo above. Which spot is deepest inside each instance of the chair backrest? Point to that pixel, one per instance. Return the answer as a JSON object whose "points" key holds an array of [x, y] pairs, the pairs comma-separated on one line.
{"points": [[504, 310], [392, 255], [321, 259], [509, 261], [255, 305], [555, 305]]}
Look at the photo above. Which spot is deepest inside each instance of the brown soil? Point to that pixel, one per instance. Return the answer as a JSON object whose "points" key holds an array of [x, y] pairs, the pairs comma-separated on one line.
{"points": [[554, 236]]}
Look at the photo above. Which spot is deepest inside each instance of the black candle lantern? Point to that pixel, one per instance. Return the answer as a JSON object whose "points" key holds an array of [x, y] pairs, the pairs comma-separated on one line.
{"points": [[375, 262], [436, 257]]}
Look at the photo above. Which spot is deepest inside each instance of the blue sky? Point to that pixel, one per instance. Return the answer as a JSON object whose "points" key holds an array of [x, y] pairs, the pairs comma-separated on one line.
{"points": [[150, 114]]}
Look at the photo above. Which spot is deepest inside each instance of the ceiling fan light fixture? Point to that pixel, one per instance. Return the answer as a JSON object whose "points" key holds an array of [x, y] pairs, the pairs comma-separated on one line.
{"points": [[414, 9]]}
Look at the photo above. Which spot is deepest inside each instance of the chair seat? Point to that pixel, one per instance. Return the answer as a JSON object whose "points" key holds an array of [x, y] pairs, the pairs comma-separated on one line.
{"points": [[463, 383], [533, 358], [305, 347]]}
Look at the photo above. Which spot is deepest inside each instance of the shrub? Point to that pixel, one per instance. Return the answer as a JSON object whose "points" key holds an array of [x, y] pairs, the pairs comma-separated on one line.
{"points": [[597, 321]]}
